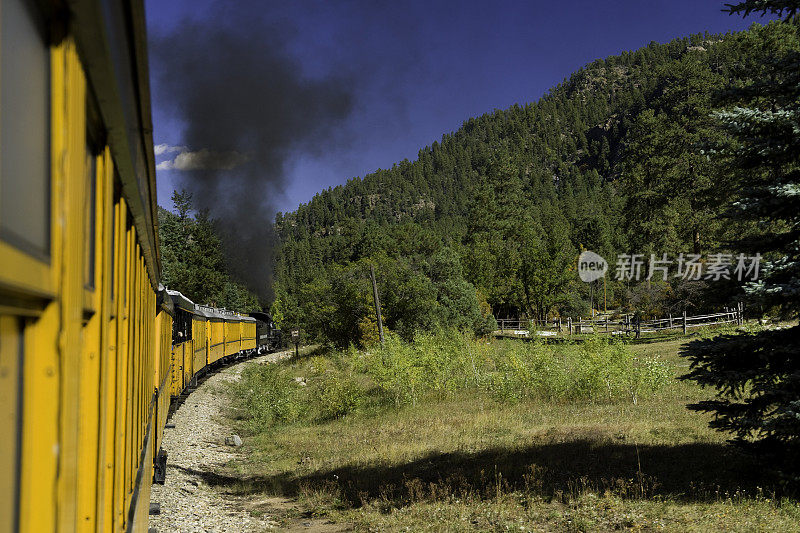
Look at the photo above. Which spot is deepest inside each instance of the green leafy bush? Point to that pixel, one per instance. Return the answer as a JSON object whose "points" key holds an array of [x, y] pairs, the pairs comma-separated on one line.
{"points": [[268, 397], [335, 397]]}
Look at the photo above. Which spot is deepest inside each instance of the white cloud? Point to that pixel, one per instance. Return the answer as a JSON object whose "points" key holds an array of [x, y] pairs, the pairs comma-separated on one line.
{"points": [[204, 159], [168, 148]]}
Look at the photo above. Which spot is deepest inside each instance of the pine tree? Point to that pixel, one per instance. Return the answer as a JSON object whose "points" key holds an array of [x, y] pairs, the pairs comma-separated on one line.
{"points": [[495, 238], [666, 177], [757, 375], [193, 260]]}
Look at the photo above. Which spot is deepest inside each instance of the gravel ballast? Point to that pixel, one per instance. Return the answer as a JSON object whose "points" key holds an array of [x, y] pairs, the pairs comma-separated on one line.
{"points": [[195, 442]]}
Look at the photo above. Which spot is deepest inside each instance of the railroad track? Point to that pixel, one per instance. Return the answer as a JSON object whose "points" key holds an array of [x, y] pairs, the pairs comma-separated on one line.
{"points": [[195, 441]]}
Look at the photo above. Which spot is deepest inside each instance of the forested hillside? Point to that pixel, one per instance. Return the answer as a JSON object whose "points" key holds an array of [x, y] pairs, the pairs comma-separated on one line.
{"points": [[622, 157]]}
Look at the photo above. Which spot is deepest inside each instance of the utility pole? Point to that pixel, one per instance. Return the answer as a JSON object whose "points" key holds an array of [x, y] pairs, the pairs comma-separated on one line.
{"points": [[377, 302]]}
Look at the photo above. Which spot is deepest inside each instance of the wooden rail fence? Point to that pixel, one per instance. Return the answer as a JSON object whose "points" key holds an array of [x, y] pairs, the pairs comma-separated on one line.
{"points": [[625, 325]]}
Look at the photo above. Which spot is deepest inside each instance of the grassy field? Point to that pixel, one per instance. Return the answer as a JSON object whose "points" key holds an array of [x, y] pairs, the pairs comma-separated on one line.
{"points": [[494, 448]]}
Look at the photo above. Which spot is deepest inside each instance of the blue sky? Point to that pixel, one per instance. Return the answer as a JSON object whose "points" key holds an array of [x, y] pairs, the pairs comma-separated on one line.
{"points": [[414, 70]]}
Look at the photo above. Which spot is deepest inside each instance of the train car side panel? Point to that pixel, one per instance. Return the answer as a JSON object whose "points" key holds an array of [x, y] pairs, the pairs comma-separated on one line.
{"points": [[40, 440], [25, 275], [97, 301], [111, 398], [77, 287], [188, 371], [164, 377], [177, 369], [232, 336], [106, 224], [217, 342], [69, 142], [248, 334], [200, 358], [10, 412]]}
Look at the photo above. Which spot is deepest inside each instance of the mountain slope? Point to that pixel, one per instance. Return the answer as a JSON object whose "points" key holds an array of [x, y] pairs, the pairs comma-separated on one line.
{"points": [[614, 159]]}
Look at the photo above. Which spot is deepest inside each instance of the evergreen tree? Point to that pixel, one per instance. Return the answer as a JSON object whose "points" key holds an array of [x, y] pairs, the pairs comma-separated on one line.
{"points": [[547, 256], [457, 298], [193, 261], [757, 376], [667, 179]]}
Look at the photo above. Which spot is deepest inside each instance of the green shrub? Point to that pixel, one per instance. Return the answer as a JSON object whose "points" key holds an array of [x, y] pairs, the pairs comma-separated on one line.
{"points": [[648, 377], [335, 397], [269, 397], [446, 362]]}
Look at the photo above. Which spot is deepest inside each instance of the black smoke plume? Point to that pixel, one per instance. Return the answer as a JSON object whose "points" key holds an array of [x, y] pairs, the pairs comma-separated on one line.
{"points": [[246, 108]]}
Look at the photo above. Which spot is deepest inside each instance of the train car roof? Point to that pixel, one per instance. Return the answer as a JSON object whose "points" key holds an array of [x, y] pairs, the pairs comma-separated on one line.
{"points": [[180, 301], [112, 41], [202, 313], [221, 314], [206, 311]]}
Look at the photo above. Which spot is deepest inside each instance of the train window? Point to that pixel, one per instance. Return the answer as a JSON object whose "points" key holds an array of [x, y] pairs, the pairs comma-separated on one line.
{"points": [[181, 327], [176, 327], [24, 130]]}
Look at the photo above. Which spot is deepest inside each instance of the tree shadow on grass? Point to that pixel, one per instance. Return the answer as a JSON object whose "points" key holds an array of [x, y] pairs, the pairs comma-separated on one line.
{"points": [[699, 472]]}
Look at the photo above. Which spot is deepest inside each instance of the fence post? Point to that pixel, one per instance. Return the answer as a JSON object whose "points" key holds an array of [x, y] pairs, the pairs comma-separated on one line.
{"points": [[670, 321], [569, 324], [559, 324], [606, 323], [638, 326], [684, 322]]}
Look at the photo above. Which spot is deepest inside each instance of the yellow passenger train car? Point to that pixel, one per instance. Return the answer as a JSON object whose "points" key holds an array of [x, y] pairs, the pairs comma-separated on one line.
{"points": [[85, 341], [203, 336], [92, 348]]}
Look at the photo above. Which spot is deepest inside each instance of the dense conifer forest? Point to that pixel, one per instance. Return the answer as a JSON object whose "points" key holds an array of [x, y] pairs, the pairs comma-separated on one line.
{"points": [[626, 155]]}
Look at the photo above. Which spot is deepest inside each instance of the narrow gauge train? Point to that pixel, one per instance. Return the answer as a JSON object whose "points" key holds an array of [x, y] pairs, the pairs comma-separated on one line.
{"points": [[203, 336], [90, 355]]}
